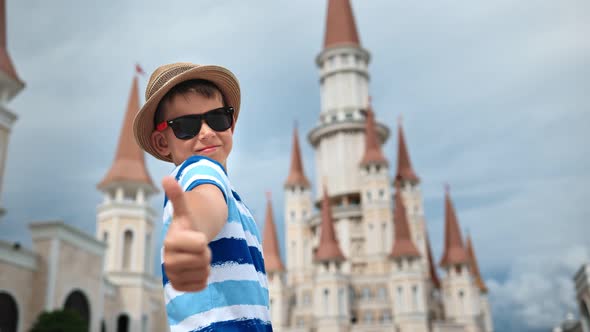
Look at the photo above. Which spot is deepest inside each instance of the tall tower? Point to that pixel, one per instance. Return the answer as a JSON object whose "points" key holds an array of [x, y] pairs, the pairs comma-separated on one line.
{"points": [[460, 295], [338, 139], [375, 198], [274, 270], [332, 286], [409, 185], [486, 310], [10, 86], [407, 276], [125, 222]]}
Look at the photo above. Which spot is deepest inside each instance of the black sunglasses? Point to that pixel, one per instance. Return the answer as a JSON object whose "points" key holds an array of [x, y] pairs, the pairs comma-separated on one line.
{"points": [[188, 126]]}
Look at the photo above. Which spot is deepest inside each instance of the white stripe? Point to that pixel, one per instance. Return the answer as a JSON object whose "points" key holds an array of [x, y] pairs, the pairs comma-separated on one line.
{"points": [[235, 230], [228, 271], [234, 312], [243, 209], [205, 177], [207, 163]]}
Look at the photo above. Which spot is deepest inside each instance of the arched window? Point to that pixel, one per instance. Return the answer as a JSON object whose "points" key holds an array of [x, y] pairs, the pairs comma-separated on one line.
{"points": [[127, 246], [123, 323], [147, 260], [103, 326], [9, 313], [462, 301], [400, 298], [415, 298], [78, 302], [326, 295], [341, 301]]}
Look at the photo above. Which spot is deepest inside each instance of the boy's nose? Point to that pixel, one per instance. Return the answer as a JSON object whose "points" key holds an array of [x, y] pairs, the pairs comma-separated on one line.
{"points": [[205, 131]]}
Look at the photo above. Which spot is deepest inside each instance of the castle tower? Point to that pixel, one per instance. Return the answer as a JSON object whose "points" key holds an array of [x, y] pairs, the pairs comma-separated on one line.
{"points": [[274, 270], [435, 302], [10, 86], [409, 185], [375, 198], [408, 284], [338, 139], [298, 209], [486, 312], [125, 222], [331, 286], [460, 294]]}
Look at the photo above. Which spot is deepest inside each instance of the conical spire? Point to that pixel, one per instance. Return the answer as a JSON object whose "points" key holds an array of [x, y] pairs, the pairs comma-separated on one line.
{"points": [[129, 163], [454, 251], [404, 166], [5, 62], [431, 267], [296, 174], [474, 267], [328, 249], [270, 244], [403, 246], [340, 25], [373, 154]]}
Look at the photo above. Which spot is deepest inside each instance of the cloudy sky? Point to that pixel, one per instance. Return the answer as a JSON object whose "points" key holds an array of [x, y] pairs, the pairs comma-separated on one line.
{"points": [[495, 100]]}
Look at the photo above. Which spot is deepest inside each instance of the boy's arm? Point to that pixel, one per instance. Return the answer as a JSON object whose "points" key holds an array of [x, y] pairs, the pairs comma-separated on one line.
{"points": [[208, 208]]}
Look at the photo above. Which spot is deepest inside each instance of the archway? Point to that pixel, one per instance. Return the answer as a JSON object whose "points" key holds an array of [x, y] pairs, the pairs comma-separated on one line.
{"points": [[9, 310], [78, 302], [123, 323]]}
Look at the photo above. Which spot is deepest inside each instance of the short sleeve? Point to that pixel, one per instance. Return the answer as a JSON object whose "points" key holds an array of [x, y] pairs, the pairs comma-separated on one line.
{"points": [[198, 170]]}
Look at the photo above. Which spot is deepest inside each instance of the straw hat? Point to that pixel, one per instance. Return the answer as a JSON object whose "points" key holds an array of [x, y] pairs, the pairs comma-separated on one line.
{"points": [[167, 76]]}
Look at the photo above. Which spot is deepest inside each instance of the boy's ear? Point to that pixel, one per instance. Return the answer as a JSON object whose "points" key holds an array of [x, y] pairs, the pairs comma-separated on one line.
{"points": [[160, 143]]}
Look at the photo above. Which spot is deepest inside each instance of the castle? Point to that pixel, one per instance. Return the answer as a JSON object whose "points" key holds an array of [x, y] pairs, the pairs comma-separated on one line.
{"points": [[362, 263]]}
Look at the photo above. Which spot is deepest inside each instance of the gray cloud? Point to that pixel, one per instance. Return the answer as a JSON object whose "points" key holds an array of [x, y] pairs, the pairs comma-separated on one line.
{"points": [[493, 96]]}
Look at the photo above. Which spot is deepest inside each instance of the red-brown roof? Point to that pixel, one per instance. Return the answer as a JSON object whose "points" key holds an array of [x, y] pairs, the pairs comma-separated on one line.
{"points": [[270, 243], [474, 267], [404, 166], [296, 174], [373, 153], [431, 266], [5, 62], [454, 251], [129, 163], [329, 248], [403, 246], [340, 25]]}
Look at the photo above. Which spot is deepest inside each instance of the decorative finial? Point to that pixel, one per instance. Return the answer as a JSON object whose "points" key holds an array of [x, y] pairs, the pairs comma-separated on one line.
{"points": [[268, 195], [139, 70], [447, 188], [399, 119]]}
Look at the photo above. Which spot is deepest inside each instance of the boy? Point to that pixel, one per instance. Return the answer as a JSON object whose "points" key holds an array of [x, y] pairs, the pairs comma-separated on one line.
{"points": [[212, 265]]}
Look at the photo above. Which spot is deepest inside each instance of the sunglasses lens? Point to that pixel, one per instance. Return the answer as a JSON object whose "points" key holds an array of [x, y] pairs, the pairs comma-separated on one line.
{"points": [[186, 128], [219, 120]]}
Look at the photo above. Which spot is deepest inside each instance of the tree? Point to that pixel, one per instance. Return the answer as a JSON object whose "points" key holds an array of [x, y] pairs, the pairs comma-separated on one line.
{"points": [[60, 321]]}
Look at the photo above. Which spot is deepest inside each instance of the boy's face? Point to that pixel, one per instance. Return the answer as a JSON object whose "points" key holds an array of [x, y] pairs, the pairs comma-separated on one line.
{"points": [[208, 142]]}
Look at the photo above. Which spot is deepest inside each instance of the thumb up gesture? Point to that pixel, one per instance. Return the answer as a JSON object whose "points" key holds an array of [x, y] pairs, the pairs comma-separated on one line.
{"points": [[186, 252]]}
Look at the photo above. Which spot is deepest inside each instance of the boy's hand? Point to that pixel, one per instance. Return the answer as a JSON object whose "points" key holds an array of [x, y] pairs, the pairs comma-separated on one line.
{"points": [[186, 252]]}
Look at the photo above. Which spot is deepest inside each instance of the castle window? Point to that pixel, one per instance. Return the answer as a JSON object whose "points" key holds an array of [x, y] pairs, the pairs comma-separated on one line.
{"points": [[382, 293], [9, 310], [400, 300], [334, 118], [415, 298], [386, 317], [381, 193], [366, 293], [368, 317], [368, 196], [349, 116], [147, 253], [127, 247], [105, 237], [326, 294]]}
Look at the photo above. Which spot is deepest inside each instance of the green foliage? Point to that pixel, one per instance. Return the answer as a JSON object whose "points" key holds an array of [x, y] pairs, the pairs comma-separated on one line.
{"points": [[60, 321]]}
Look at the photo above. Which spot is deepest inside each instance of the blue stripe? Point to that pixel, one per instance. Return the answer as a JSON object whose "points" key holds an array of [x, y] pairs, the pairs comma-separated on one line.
{"points": [[216, 295], [194, 159], [201, 181], [164, 276], [256, 325], [234, 250]]}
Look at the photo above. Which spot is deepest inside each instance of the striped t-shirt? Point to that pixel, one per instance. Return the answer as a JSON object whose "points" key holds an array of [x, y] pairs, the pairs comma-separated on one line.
{"points": [[236, 296]]}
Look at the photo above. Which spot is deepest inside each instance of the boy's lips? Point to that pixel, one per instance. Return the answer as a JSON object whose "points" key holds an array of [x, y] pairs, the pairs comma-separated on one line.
{"points": [[208, 149]]}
